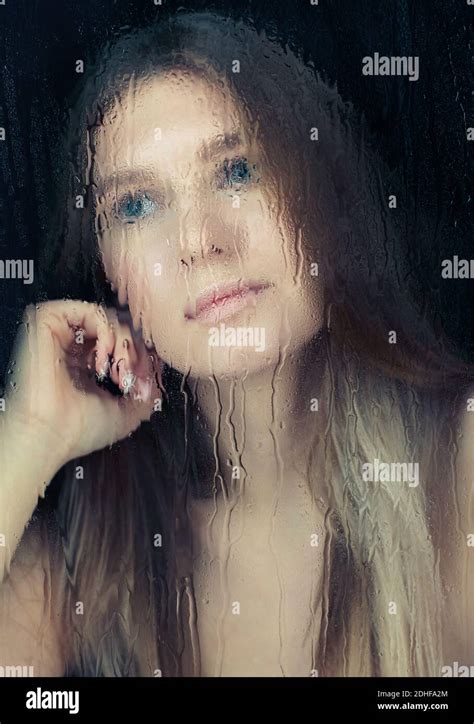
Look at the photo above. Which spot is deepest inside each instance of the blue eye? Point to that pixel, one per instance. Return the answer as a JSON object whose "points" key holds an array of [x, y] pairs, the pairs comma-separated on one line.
{"points": [[235, 172], [135, 206]]}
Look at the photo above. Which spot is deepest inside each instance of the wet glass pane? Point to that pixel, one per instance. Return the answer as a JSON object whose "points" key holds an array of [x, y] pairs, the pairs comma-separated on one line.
{"points": [[237, 402]]}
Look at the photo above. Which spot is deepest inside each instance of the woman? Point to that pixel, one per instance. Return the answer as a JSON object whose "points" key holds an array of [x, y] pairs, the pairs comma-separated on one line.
{"points": [[286, 492]]}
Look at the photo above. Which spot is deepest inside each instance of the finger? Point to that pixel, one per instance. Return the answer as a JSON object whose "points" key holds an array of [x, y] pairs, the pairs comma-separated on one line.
{"points": [[145, 385], [105, 344], [71, 321], [87, 322], [124, 358]]}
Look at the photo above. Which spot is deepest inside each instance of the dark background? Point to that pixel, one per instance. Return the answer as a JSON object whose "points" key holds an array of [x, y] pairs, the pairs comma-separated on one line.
{"points": [[420, 127]]}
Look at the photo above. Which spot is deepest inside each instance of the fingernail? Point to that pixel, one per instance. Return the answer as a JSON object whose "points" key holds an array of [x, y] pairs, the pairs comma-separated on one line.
{"points": [[128, 382], [104, 371]]}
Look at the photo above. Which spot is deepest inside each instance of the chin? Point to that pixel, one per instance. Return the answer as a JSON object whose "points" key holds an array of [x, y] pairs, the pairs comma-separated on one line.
{"points": [[245, 345], [227, 363], [238, 364]]}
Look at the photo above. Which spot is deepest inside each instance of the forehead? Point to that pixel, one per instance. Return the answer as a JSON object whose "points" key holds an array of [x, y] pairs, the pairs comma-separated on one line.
{"points": [[171, 116]]}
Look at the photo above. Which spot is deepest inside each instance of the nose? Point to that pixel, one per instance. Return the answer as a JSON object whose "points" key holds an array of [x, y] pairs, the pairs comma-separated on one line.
{"points": [[188, 260], [205, 238]]}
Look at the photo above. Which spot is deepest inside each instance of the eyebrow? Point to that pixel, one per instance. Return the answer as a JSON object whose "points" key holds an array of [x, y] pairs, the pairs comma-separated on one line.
{"points": [[126, 177], [207, 151], [222, 142]]}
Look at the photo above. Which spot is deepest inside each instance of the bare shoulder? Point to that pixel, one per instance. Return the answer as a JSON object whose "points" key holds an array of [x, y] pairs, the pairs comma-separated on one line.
{"points": [[30, 617]]}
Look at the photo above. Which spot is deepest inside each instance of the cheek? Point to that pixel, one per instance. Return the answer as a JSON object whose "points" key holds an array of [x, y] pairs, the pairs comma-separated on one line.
{"points": [[160, 280], [131, 276], [143, 268], [274, 242]]}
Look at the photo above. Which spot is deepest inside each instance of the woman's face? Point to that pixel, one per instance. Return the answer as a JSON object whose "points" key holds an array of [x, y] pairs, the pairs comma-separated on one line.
{"points": [[196, 231]]}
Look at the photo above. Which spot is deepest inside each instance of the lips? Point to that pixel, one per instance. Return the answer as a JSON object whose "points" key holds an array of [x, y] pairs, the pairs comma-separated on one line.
{"points": [[224, 300]]}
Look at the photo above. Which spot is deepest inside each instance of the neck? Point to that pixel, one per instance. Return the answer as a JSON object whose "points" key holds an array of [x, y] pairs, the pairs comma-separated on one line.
{"points": [[265, 424]]}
